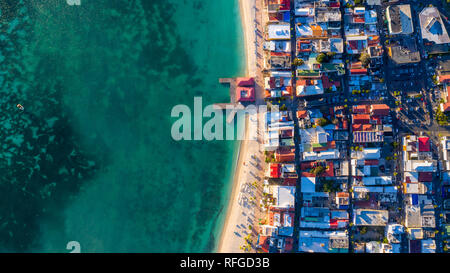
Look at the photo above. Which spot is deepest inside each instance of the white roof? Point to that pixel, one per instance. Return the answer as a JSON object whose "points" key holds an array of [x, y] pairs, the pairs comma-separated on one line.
{"points": [[356, 38], [304, 12], [422, 166], [328, 154], [279, 32], [371, 153], [413, 176], [318, 241], [304, 30], [373, 247], [370, 217], [312, 135], [377, 180], [367, 189], [310, 90], [285, 196]]}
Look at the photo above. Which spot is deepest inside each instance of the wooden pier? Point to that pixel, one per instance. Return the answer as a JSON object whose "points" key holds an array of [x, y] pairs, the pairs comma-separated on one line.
{"points": [[232, 104]]}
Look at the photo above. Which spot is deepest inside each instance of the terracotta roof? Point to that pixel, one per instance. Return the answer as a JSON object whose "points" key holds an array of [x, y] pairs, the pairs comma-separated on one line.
{"points": [[245, 94], [358, 71], [243, 82], [302, 114], [360, 109], [361, 119], [444, 78], [446, 107], [380, 109]]}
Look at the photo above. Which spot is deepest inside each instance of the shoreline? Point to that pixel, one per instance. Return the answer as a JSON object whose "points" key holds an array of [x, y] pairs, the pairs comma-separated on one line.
{"points": [[234, 190], [246, 7], [237, 214]]}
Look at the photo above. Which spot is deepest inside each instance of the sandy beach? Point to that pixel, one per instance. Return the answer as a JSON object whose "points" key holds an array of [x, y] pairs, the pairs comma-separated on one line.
{"points": [[248, 15], [243, 209]]}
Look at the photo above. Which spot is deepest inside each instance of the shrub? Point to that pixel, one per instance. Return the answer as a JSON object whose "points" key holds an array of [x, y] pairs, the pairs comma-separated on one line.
{"points": [[365, 59], [321, 58]]}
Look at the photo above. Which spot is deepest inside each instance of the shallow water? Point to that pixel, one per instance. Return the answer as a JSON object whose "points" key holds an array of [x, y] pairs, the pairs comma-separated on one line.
{"points": [[91, 158]]}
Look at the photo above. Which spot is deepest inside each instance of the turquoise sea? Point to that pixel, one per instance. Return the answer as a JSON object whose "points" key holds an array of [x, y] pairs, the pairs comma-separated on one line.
{"points": [[91, 158]]}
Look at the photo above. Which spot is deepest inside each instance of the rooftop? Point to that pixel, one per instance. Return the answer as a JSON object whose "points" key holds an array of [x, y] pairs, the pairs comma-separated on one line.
{"points": [[432, 27], [404, 53], [369, 217], [399, 19]]}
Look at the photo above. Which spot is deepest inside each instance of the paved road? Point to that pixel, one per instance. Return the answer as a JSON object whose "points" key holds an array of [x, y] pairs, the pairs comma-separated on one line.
{"points": [[298, 194]]}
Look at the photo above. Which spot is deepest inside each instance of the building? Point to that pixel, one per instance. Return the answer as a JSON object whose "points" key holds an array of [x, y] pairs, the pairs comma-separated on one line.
{"points": [[370, 217], [308, 184], [432, 26], [323, 241], [405, 53], [245, 94], [284, 196], [428, 246], [399, 19], [394, 233], [279, 32]]}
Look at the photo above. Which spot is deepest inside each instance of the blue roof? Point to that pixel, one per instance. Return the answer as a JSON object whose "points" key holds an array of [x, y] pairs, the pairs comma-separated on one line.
{"points": [[415, 199], [286, 16], [329, 135]]}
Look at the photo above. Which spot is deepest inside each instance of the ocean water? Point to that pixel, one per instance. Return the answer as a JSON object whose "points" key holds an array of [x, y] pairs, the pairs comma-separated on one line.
{"points": [[91, 158]]}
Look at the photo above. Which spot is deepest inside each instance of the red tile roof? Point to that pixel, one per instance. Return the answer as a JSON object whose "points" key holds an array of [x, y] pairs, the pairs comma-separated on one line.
{"points": [[444, 78], [302, 114], [380, 109], [328, 84], [358, 71], [446, 106], [245, 82], [245, 94], [367, 127], [263, 242], [285, 155], [361, 119], [356, 127], [361, 109]]}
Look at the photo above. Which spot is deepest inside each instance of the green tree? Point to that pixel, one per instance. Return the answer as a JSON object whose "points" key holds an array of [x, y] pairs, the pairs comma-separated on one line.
{"points": [[365, 59], [363, 230], [331, 54], [318, 170], [322, 121], [321, 58], [298, 62]]}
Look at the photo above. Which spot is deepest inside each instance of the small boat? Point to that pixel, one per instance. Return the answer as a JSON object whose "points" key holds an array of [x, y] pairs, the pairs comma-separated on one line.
{"points": [[20, 107]]}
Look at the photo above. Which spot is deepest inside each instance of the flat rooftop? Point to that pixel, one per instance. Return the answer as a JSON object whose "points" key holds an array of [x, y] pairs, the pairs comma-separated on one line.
{"points": [[369, 217], [399, 18], [432, 26]]}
